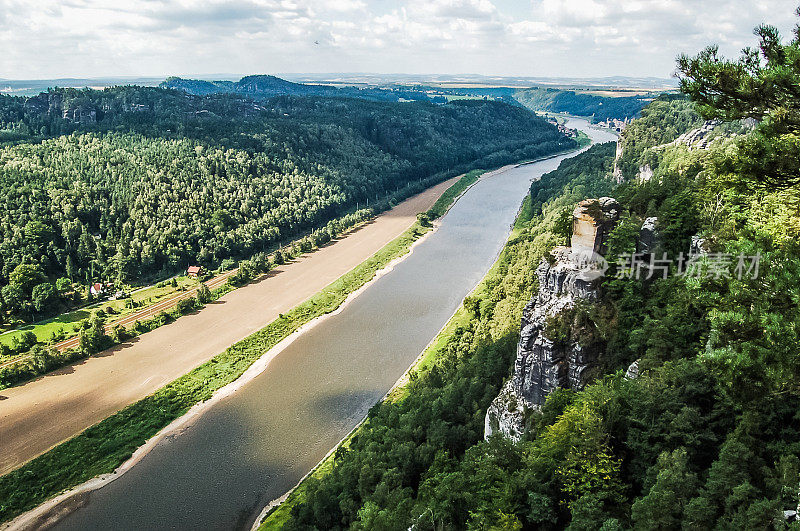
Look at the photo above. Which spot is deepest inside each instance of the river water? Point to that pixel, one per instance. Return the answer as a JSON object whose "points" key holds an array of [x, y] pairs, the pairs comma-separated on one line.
{"points": [[257, 443]]}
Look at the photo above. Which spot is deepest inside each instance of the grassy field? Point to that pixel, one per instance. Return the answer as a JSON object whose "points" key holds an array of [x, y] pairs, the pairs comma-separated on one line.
{"points": [[281, 514], [583, 139], [45, 329]]}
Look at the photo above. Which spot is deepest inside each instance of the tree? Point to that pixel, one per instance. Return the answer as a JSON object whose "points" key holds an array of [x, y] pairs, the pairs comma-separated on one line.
{"points": [[26, 276], [43, 296], [63, 285], [38, 233], [93, 338], [24, 341], [203, 293], [763, 85], [662, 507], [13, 298], [563, 225]]}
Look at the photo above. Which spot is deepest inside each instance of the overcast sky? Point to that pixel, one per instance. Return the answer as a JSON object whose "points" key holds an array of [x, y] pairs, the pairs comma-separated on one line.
{"points": [[584, 38]]}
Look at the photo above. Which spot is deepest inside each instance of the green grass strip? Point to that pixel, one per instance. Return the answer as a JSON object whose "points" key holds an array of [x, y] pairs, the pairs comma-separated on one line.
{"points": [[444, 202]]}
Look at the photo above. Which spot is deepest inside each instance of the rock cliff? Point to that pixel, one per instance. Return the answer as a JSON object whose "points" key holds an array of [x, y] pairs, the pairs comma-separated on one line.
{"points": [[544, 364]]}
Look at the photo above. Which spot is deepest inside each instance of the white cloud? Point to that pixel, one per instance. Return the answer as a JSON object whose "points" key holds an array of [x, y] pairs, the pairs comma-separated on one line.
{"points": [[49, 38]]}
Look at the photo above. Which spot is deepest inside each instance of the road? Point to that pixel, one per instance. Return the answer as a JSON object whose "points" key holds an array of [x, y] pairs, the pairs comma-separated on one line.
{"points": [[40, 414]]}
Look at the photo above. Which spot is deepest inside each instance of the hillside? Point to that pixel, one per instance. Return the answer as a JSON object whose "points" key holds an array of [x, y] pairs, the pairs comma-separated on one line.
{"points": [[660, 393], [266, 86], [131, 183], [600, 108]]}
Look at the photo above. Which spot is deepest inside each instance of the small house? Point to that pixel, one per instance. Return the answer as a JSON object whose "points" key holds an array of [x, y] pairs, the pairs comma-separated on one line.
{"points": [[97, 289], [194, 271]]}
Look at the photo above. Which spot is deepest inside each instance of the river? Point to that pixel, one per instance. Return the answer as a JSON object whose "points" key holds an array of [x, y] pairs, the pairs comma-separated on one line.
{"points": [[252, 446]]}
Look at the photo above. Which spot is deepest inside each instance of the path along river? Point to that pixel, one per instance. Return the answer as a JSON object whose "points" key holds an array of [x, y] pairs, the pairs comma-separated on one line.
{"points": [[254, 445]]}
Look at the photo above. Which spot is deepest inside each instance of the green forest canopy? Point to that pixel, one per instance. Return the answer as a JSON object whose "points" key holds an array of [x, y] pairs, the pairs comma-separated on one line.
{"points": [[139, 182]]}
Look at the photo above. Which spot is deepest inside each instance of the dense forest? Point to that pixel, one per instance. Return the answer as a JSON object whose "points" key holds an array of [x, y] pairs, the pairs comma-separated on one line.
{"points": [[600, 108], [707, 435], [134, 183]]}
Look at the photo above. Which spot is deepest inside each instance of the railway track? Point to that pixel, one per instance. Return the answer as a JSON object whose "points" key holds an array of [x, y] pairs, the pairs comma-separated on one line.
{"points": [[138, 315]]}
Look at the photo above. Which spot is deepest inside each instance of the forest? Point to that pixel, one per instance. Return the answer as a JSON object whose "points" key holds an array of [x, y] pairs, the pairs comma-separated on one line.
{"points": [[600, 108], [707, 435], [131, 184]]}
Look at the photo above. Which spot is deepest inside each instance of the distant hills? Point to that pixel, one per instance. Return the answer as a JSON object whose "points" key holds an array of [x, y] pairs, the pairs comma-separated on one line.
{"points": [[256, 85], [321, 84], [268, 86]]}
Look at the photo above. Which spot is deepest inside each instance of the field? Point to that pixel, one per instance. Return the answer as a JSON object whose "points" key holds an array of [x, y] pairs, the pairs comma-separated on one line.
{"points": [[44, 330]]}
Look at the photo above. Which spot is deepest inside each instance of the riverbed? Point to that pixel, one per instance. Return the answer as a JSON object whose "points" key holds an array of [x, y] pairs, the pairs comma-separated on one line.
{"points": [[252, 446]]}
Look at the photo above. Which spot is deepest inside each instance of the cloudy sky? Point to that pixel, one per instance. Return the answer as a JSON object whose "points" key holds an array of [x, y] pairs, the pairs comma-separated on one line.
{"points": [[585, 38]]}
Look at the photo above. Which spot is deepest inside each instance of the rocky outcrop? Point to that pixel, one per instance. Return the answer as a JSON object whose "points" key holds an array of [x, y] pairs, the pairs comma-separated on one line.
{"points": [[649, 240], [698, 245], [592, 220], [645, 173], [633, 371], [542, 364], [82, 115], [617, 168], [699, 138]]}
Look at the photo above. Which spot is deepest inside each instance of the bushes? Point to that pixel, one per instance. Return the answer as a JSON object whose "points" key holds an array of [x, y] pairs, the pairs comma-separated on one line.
{"points": [[187, 305]]}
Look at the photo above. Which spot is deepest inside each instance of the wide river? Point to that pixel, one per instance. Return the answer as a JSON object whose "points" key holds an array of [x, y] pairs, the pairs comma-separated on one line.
{"points": [[257, 443]]}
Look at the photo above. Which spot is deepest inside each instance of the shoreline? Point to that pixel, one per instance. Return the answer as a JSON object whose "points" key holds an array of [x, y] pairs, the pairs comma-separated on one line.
{"points": [[402, 380], [274, 504], [53, 510]]}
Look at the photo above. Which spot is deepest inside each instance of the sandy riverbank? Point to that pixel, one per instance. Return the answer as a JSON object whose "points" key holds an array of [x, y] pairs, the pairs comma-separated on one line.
{"points": [[40, 414]]}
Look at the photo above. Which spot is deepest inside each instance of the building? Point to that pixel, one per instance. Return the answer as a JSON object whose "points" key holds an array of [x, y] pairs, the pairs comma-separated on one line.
{"points": [[194, 271], [97, 289]]}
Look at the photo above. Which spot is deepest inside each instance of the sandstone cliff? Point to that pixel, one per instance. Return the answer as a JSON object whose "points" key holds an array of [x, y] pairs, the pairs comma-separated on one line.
{"points": [[544, 364]]}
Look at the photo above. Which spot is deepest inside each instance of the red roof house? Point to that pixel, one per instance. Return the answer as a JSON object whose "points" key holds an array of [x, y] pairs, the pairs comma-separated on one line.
{"points": [[194, 271]]}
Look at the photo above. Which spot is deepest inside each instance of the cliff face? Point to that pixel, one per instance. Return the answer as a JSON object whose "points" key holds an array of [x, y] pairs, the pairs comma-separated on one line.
{"points": [[542, 364]]}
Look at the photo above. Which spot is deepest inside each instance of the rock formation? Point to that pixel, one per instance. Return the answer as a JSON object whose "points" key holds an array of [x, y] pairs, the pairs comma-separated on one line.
{"points": [[633, 371], [645, 173], [543, 365], [592, 220], [699, 138], [649, 238], [698, 245], [617, 168], [83, 115]]}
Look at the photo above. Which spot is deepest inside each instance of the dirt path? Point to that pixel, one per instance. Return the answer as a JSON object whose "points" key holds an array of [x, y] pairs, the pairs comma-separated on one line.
{"points": [[38, 415]]}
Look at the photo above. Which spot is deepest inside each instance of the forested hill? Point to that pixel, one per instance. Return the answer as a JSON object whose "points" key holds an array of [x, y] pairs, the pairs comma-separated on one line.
{"points": [[672, 399], [135, 182], [265, 86], [601, 108]]}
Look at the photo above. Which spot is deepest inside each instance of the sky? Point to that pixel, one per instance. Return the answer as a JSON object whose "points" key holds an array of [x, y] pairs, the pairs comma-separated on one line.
{"points": [[45, 39]]}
